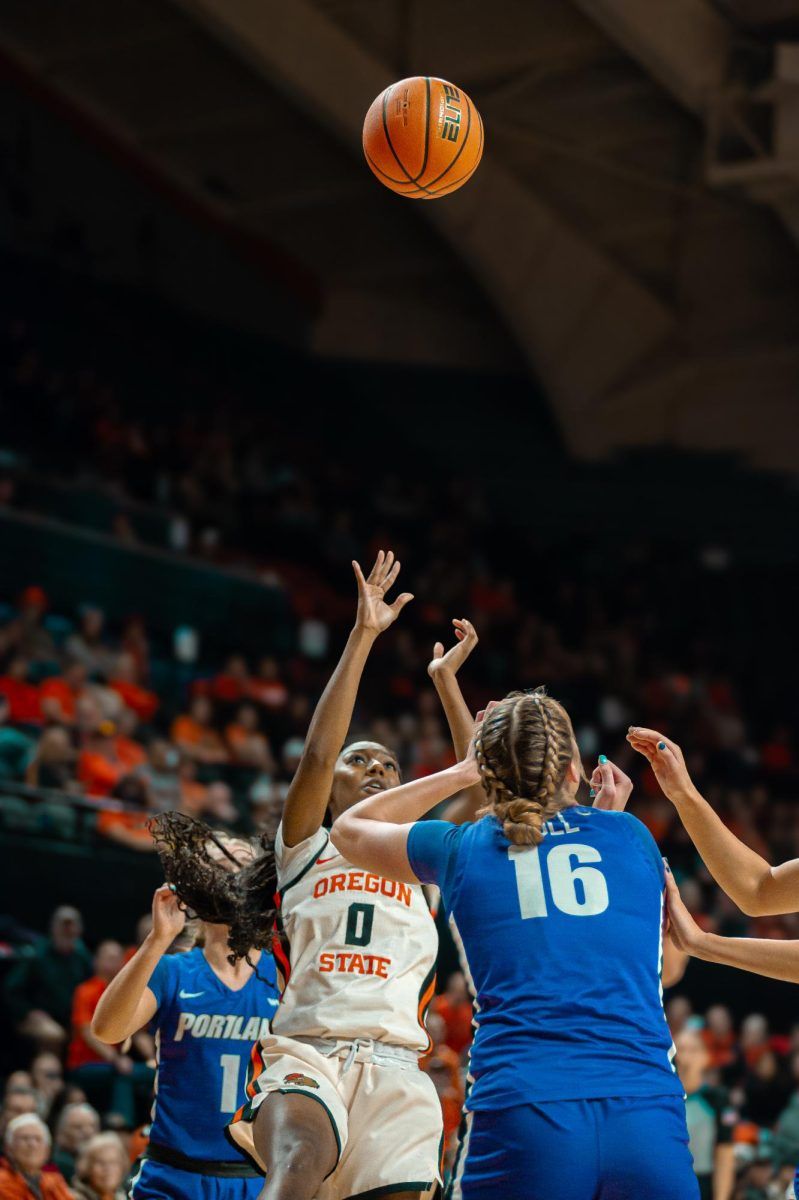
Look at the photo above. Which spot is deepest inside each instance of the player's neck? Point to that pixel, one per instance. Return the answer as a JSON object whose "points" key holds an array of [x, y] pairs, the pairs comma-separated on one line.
{"points": [[216, 951]]}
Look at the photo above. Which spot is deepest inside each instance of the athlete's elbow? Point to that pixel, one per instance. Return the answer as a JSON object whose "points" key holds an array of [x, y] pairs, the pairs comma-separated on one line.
{"points": [[103, 1032]]}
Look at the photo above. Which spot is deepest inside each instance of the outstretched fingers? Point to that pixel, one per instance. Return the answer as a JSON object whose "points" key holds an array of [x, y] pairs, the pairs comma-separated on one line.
{"points": [[400, 602]]}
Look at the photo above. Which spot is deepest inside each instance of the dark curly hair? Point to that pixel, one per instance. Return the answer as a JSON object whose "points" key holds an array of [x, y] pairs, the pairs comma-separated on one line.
{"points": [[244, 900]]}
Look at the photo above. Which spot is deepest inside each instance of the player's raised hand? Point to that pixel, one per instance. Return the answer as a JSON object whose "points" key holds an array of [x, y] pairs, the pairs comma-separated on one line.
{"points": [[682, 929], [374, 612], [611, 786], [454, 658], [666, 760], [168, 917]]}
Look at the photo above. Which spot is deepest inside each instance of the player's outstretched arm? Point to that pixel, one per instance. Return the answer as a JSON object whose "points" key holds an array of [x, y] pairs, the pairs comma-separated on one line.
{"points": [[443, 670], [757, 888], [127, 1004], [776, 959], [373, 834], [309, 793]]}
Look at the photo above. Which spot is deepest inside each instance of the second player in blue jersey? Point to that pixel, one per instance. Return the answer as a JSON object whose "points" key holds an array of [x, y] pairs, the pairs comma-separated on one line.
{"points": [[206, 1014], [572, 1092]]}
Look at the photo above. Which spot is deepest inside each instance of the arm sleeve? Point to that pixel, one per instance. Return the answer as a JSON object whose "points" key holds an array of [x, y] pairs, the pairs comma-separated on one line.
{"points": [[162, 980], [433, 853], [644, 840]]}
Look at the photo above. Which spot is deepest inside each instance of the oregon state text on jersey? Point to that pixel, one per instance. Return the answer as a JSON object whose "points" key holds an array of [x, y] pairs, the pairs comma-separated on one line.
{"points": [[357, 952]]}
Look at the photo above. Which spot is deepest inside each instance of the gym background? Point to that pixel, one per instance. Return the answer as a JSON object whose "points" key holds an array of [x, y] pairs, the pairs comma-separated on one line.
{"points": [[230, 362]]}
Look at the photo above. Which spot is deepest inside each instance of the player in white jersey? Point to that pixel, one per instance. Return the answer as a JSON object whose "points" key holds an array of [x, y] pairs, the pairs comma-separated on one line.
{"points": [[337, 1106]]}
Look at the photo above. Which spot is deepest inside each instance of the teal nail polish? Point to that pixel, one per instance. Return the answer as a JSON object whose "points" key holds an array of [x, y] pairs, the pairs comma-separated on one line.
{"points": [[661, 745], [603, 758], [591, 793]]}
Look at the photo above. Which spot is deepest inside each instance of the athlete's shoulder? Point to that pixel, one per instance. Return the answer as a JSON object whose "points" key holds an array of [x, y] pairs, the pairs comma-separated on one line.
{"points": [[171, 973], [293, 862]]}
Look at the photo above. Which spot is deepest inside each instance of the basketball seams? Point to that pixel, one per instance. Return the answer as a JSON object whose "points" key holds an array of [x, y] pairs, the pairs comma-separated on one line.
{"points": [[460, 150], [398, 183], [426, 131], [397, 159]]}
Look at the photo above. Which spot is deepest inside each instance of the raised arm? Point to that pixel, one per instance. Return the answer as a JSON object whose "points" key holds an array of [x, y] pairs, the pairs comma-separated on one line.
{"points": [[309, 793], [443, 670], [127, 1003], [775, 959], [757, 888], [373, 834]]}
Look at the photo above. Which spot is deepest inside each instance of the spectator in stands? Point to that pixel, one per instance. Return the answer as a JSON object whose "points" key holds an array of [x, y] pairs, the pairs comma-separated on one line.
{"points": [[454, 1006], [27, 1145], [129, 751], [99, 765], [101, 1169], [754, 1038], [195, 736], [126, 681], [711, 1119], [267, 798], [103, 1071], [39, 988], [24, 706], [77, 1124], [27, 633], [160, 775], [16, 749], [59, 695], [16, 1101], [53, 761], [219, 806], [128, 827], [719, 1036], [47, 1077], [232, 683], [89, 645], [246, 742], [267, 688], [18, 1081], [136, 642]]}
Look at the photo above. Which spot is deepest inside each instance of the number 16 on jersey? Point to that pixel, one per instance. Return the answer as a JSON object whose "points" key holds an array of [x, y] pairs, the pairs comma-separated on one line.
{"points": [[577, 890]]}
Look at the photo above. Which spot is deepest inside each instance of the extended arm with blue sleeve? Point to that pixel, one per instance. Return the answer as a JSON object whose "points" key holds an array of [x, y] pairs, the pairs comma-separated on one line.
{"points": [[433, 848]]}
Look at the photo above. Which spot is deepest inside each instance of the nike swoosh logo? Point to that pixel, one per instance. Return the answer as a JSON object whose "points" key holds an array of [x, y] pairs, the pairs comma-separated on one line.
{"points": [[190, 995], [321, 861]]}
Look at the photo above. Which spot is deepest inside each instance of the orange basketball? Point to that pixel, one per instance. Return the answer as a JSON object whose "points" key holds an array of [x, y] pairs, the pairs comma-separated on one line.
{"points": [[423, 137]]}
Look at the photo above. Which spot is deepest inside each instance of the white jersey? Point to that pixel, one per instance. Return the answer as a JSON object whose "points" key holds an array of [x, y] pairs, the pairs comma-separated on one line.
{"points": [[357, 952]]}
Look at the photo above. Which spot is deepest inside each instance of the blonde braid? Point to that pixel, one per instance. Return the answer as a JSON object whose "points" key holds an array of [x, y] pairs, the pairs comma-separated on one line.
{"points": [[523, 751]]}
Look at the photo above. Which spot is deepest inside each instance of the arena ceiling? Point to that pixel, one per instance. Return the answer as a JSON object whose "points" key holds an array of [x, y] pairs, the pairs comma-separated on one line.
{"points": [[629, 236]]}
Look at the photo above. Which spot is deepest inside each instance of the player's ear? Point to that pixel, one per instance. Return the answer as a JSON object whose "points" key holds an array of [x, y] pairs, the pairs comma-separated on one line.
{"points": [[573, 772]]}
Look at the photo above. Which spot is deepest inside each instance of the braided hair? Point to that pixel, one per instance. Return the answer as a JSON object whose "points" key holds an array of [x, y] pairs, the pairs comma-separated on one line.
{"points": [[524, 748], [243, 899]]}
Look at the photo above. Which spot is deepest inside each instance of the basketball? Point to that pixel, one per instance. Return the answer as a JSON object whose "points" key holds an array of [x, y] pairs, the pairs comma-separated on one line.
{"points": [[423, 137]]}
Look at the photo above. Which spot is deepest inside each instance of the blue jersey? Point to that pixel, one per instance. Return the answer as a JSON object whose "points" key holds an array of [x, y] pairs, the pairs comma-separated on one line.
{"points": [[204, 1037], [564, 946]]}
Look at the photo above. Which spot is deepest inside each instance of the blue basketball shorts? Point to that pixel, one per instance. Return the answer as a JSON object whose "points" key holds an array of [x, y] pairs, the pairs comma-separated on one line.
{"points": [[157, 1181], [619, 1149]]}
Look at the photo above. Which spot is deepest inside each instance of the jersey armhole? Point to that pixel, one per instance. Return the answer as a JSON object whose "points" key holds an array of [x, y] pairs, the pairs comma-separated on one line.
{"points": [[638, 834]]}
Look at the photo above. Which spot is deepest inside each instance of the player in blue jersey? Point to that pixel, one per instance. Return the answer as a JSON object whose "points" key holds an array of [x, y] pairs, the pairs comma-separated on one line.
{"points": [[572, 1092], [756, 887], [207, 1012]]}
